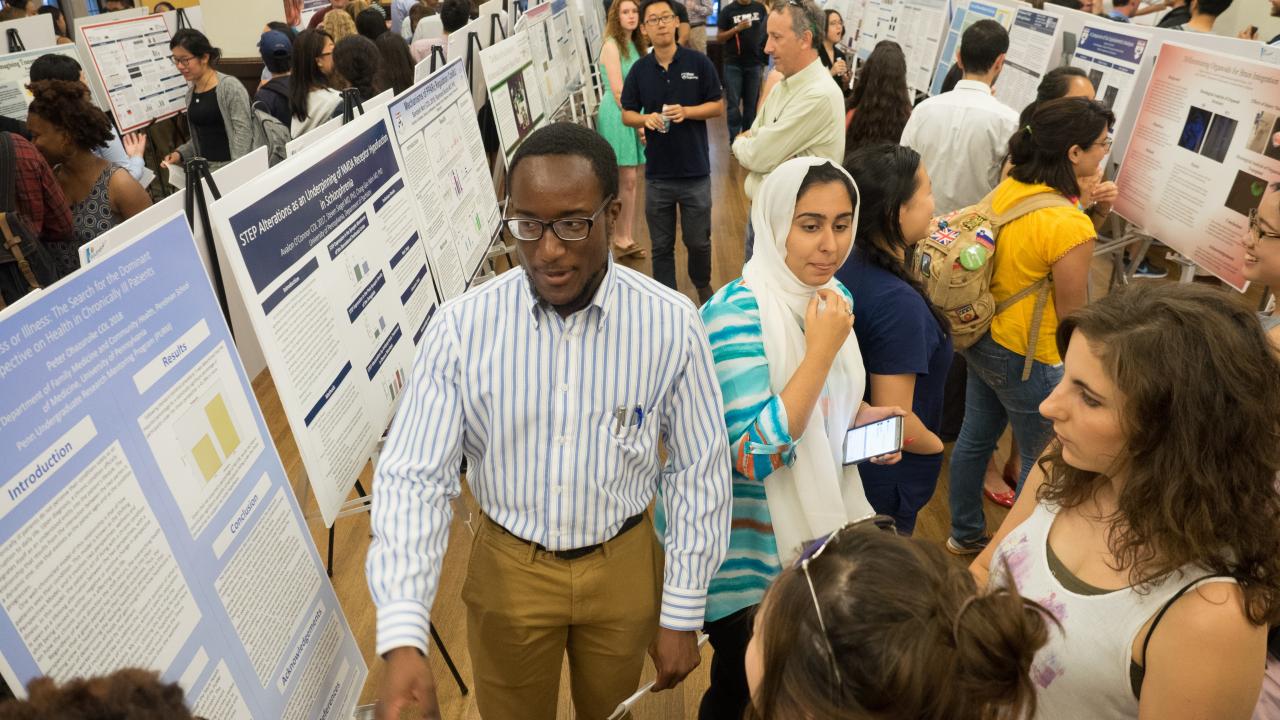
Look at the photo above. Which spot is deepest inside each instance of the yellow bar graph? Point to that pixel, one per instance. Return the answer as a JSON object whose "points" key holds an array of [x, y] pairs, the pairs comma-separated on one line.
{"points": [[220, 421], [206, 457]]}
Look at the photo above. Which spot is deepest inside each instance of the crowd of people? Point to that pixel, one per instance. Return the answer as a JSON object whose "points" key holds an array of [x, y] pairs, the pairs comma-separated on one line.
{"points": [[1137, 573]]}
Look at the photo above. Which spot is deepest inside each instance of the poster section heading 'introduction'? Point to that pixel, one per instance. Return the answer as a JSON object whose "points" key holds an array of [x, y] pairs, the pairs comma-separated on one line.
{"points": [[964, 15], [1205, 147], [145, 517], [131, 59], [439, 140], [515, 92], [329, 251]]}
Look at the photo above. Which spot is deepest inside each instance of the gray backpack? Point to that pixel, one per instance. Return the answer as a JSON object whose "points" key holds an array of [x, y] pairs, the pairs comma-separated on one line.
{"points": [[270, 132]]}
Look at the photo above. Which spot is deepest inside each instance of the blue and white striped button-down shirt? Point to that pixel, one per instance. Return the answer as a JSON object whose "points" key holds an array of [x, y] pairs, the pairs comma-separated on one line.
{"points": [[530, 398]]}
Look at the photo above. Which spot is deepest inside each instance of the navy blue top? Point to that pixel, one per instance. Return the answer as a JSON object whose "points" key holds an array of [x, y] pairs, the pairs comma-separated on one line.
{"points": [[898, 336], [690, 80]]}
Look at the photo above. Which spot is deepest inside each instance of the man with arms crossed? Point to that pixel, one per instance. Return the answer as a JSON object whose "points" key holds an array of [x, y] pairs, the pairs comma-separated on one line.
{"points": [[804, 114], [556, 381]]}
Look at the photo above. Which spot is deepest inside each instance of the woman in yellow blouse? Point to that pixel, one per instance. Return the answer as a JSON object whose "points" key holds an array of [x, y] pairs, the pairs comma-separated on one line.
{"points": [[1016, 366]]}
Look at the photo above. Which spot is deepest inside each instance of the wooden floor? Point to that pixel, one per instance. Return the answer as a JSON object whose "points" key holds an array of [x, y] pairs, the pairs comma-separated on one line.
{"points": [[728, 223]]}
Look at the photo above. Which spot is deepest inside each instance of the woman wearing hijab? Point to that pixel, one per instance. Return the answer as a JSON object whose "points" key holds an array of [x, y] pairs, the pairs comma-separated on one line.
{"points": [[792, 378]]}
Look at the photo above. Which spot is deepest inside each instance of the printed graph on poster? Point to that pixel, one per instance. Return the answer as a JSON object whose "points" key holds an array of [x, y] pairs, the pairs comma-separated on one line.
{"points": [[1202, 155]]}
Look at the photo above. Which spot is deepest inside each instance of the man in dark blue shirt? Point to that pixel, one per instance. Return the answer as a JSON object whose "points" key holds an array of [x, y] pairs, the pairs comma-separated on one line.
{"points": [[671, 93]]}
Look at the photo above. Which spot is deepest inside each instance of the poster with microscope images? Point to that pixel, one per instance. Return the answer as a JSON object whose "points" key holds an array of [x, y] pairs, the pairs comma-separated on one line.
{"points": [[516, 87], [146, 520], [1205, 146]]}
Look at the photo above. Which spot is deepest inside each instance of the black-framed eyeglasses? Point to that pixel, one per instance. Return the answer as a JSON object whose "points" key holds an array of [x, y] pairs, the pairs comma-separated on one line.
{"points": [[1255, 228], [570, 229], [814, 550], [182, 62], [660, 20]]}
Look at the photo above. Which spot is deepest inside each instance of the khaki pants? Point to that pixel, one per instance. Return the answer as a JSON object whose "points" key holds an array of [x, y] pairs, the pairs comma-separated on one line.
{"points": [[526, 609], [698, 39]]}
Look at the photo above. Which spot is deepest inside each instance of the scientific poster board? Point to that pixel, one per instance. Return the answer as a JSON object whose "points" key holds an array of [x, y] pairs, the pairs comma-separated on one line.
{"points": [[15, 75], [1033, 42], [35, 32], [230, 176], [920, 28], [879, 21], [145, 517], [592, 22], [1202, 154], [327, 249], [550, 48], [131, 60], [465, 45], [515, 91], [1114, 55], [963, 15], [439, 140]]}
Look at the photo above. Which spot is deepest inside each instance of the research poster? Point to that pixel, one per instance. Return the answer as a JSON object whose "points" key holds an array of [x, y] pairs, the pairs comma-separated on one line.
{"points": [[920, 28], [963, 15], [1203, 151], [1033, 40], [515, 91], [1112, 54], [30, 33], [879, 19], [437, 134], [15, 75], [145, 517], [548, 49], [331, 258], [131, 59], [592, 27]]}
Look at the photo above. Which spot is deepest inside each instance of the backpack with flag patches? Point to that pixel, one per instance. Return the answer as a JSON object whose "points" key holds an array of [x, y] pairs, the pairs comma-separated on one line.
{"points": [[954, 263]]}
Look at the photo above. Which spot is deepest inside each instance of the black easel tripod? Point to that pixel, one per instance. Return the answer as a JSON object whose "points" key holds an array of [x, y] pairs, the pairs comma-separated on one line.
{"points": [[197, 169]]}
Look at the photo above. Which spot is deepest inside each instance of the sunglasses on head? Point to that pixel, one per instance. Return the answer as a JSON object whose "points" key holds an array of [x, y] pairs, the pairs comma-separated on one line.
{"points": [[814, 550]]}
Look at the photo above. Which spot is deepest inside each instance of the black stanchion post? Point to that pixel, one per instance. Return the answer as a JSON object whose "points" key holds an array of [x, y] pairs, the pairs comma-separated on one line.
{"points": [[198, 175]]}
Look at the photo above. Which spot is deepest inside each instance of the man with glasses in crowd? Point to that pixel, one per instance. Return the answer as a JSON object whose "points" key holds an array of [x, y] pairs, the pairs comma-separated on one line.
{"points": [[556, 381], [804, 113], [671, 93]]}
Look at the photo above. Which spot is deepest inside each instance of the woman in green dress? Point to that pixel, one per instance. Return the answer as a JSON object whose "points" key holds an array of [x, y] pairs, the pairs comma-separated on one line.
{"points": [[623, 45]]}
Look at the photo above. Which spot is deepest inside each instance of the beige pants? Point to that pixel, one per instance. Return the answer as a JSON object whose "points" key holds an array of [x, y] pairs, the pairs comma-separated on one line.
{"points": [[526, 609], [698, 39]]}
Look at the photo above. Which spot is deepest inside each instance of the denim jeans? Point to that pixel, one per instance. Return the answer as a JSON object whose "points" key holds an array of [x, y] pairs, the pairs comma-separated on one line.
{"points": [[692, 196], [741, 88], [996, 396]]}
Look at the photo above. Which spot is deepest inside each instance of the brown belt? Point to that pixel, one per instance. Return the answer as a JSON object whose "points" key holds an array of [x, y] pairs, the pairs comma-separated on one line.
{"points": [[581, 552]]}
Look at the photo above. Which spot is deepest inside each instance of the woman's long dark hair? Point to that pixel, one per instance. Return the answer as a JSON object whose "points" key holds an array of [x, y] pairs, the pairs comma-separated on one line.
{"points": [[1038, 150], [305, 76], [396, 71], [880, 98], [357, 59], [886, 176]]}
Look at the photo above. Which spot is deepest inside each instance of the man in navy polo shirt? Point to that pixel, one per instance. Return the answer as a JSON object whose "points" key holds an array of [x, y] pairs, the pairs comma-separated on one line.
{"points": [[671, 93]]}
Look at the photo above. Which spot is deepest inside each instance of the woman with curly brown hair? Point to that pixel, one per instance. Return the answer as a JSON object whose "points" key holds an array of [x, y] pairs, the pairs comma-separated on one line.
{"points": [[66, 127], [1151, 526], [879, 104], [871, 625]]}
